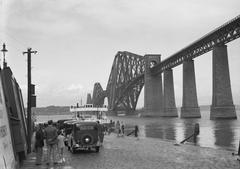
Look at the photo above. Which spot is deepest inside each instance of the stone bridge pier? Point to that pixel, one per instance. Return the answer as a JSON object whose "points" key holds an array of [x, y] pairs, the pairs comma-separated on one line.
{"points": [[170, 109], [222, 102], [190, 108], [89, 98], [153, 96]]}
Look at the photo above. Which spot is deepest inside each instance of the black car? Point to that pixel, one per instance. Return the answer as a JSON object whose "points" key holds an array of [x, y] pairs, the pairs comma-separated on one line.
{"points": [[85, 136]]}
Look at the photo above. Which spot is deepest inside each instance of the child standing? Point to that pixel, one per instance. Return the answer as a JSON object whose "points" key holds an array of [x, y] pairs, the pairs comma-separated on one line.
{"points": [[61, 146]]}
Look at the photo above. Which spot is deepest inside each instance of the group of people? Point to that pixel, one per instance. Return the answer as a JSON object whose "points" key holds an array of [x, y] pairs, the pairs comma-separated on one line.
{"points": [[48, 135], [120, 128], [53, 138]]}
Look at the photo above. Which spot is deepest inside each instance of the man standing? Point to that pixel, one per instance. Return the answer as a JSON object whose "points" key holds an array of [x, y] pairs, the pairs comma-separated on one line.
{"points": [[122, 129], [100, 132], [51, 141], [118, 129], [39, 143]]}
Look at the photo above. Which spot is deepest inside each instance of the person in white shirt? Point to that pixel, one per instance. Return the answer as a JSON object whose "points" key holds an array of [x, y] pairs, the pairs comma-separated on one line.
{"points": [[61, 146]]}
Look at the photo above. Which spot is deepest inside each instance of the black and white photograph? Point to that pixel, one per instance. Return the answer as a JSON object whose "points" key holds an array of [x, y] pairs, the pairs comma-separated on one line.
{"points": [[119, 84]]}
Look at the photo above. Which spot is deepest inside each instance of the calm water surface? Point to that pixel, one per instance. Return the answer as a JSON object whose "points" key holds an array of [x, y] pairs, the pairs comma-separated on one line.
{"points": [[213, 133]]}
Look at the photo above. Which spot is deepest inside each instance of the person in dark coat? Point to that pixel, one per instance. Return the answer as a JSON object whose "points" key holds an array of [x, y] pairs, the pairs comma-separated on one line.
{"points": [[39, 143], [100, 132], [51, 141], [118, 129], [136, 131], [122, 129]]}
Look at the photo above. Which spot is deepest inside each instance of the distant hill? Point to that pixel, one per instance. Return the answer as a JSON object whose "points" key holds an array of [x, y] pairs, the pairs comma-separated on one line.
{"points": [[58, 110], [207, 107], [204, 107], [51, 110]]}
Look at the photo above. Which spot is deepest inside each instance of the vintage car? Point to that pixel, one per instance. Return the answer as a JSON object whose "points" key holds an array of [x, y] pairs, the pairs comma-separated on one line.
{"points": [[85, 136]]}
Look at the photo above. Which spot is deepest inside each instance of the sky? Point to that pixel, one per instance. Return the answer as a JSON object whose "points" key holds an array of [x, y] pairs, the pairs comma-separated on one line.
{"points": [[77, 40]]}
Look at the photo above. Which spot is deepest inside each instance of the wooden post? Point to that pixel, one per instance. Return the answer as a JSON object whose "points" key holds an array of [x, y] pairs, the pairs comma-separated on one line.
{"points": [[29, 105]]}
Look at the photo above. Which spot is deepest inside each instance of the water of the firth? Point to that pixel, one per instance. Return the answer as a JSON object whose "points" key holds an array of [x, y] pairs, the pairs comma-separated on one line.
{"points": [[213, 133]]}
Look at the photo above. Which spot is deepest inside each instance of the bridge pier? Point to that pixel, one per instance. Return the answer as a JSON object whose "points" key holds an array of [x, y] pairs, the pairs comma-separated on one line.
{"points": [[89, 98], [190, 108], [170, 109], [153, 97], [222, 102]]}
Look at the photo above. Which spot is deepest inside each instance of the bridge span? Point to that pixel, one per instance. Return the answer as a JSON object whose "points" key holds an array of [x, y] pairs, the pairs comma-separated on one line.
{"points": [[130, 72]]}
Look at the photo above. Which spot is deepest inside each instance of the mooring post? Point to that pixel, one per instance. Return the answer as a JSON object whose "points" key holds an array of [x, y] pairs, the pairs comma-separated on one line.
{"points": [[194, 135], [196, 132], [239, 148]]}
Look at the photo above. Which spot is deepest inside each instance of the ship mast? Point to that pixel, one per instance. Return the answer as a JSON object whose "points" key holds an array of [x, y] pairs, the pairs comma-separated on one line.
{"points": [[4, 50]]}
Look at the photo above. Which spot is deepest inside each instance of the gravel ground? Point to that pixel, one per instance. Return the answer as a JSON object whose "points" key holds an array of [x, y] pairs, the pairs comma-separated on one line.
{"points": [[145, 153]]}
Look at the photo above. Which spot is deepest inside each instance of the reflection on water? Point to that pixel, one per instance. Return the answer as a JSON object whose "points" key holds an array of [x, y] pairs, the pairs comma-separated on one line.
{"points": [[213, 133], [164, 131], [189, 128], [223, 133]]}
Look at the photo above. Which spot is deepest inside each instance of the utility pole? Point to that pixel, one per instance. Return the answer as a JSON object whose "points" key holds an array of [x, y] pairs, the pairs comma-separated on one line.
{"points": [[29, 104]]}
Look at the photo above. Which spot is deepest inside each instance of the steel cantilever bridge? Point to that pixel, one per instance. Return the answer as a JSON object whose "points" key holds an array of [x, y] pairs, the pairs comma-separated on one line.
{"points": [[124, 84], [126, 79]]}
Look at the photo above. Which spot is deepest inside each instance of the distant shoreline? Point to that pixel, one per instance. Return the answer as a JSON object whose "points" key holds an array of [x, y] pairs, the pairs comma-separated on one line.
{"points": [[64, 110]]}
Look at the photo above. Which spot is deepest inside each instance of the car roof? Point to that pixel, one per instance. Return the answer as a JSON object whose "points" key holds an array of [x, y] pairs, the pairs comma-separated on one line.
{"points": [[85, 123], [72, 122], [63, 120]]}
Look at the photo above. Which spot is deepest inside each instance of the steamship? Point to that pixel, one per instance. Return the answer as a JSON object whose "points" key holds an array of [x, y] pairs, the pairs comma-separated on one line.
{"points": [[89, 112]]}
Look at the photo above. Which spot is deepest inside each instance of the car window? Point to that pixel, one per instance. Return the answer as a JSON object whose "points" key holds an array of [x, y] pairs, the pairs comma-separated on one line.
{"points": [[84, 127]]}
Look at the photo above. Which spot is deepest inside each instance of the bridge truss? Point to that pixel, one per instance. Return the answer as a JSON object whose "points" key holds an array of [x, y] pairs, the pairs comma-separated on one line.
{"points": [[127, 74], [98, 95], [222, 35], [125, 82]]}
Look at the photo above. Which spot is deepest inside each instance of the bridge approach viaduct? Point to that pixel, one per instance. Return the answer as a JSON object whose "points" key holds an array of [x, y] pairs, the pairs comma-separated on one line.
{"points": [[130, 72]]}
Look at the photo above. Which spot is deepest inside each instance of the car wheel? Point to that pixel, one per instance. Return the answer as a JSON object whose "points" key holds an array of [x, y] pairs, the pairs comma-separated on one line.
{"points": [[97, 149]]}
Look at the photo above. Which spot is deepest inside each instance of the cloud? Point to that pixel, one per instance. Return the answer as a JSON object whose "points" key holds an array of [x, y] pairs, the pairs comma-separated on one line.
{"points": [[3, 16], [108, 19], [79, 38], [60, 94], [75, 87], [40, 17]]}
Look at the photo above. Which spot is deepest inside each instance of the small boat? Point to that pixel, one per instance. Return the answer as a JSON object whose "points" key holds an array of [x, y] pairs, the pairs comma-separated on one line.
{"points": [[90, 113]]}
